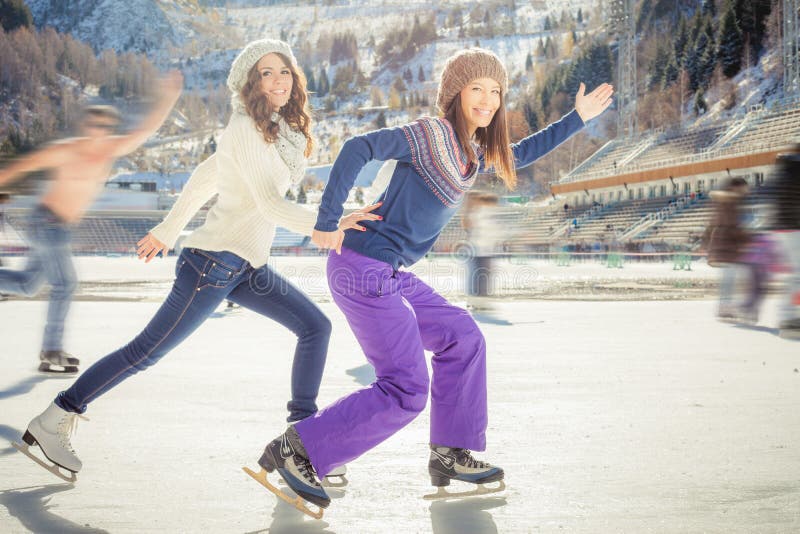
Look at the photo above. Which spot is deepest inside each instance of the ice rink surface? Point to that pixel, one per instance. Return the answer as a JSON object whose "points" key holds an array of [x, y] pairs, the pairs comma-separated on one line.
{"points": [[623, 416]]}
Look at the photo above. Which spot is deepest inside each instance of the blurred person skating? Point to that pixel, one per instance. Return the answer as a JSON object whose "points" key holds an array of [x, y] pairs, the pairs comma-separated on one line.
{"points": [[759, 258], [478, 219], [395, 315], [262, 151], [724, 240], [786, 224], [79, 169]]}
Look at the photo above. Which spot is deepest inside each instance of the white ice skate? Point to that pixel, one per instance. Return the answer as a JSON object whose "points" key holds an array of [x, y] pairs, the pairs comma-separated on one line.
{"points": [[51, 431], [336, 478], [449, 463]]}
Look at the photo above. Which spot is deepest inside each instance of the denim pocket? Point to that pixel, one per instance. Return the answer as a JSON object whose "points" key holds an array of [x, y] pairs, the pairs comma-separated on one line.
{"points": [[228, 260], [216, 275]]}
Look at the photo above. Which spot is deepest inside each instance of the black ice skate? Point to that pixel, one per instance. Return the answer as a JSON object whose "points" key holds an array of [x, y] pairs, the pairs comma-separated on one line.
{"points": [[296, 470], [448, 463], [790, 329], [58, 362]]}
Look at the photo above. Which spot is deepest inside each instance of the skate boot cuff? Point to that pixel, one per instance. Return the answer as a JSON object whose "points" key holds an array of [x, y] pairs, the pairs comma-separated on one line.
{"points": [[297, 443]]}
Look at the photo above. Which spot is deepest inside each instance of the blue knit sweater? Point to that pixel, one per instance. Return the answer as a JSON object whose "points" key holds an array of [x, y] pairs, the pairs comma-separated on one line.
{"points": [[427, 187]]}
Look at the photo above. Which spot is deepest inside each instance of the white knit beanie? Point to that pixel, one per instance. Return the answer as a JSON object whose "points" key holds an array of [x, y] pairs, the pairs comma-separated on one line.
{"points": [[250, 56]]}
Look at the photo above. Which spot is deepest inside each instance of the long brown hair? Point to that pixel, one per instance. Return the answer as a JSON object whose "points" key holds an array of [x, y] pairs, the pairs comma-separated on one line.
{"points": [[494, 140], [296, 112]]}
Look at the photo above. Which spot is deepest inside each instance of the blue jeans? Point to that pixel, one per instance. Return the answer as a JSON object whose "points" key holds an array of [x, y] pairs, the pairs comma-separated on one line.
{"points": [[203, 280], [50, 260]]}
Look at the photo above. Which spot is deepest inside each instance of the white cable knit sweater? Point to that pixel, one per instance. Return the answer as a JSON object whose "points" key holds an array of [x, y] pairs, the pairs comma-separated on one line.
{"points": [[251, 179]]}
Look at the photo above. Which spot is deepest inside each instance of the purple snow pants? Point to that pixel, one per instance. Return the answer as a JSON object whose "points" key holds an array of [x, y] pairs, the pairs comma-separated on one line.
{"points": [[396, 317]]}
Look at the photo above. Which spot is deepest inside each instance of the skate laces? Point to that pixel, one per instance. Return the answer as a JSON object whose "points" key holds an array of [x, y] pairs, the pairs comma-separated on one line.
{"points": [[469, 460], [67, 427], [306, 469]]}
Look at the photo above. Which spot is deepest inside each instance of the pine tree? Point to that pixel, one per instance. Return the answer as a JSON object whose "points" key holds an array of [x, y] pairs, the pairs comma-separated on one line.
{"points": [[310, 84], [301, 195], [529, 62], [700, 105], [681, 42], [708, 62], [658, 67], [670, 74], [731, 44], [14, 14], [420, 74], [399, 85], [580, 16], [752, 16], [693, 63], [540, 49], [324, 85], [380, 120], [708, 58], [547, 25], [531, 117]]}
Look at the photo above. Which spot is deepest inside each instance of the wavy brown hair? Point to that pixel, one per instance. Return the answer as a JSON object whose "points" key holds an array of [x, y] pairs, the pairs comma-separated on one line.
{"points": [[296, 112], [494, 140]]}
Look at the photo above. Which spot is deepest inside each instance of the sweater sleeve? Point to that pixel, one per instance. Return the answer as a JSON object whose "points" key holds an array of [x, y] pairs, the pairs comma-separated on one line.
{"points": [[248, 153], [382, 145], [537, 145], [201, 186]]}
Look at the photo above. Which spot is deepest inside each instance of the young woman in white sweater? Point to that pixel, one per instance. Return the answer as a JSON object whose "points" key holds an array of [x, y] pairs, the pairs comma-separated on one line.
{"points": [[261, 152]]}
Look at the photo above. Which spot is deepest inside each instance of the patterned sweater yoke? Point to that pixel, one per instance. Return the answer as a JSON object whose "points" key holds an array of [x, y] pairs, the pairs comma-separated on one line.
{"points": [[439, 159]]}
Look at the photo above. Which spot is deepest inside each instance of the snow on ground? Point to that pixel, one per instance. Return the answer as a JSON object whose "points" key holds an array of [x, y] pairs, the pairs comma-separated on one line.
{"points": [[645, 416]]}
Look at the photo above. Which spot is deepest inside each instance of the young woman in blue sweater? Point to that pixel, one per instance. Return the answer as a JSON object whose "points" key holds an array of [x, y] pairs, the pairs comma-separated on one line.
{"points": [[396, 316]]}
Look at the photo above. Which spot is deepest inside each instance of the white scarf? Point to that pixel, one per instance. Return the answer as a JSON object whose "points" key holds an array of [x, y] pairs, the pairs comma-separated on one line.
{"points": [[291, 144]]}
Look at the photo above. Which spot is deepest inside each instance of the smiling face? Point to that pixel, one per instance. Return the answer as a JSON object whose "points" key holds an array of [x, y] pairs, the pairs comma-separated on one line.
{"points": [[480, 100], [276, 80]]}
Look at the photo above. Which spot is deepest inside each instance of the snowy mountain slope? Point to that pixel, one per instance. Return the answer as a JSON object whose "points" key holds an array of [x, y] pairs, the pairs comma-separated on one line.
{"points": [[137, 25]]}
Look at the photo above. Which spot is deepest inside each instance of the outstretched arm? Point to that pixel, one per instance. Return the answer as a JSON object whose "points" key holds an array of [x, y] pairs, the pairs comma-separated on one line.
{"points": [[169, 89], [202, 185], [45, 158], [542, 142], [383, 144]]}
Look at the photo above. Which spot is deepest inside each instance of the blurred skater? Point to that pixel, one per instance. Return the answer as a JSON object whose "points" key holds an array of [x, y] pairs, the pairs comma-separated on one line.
{"points": [[80, 167]]}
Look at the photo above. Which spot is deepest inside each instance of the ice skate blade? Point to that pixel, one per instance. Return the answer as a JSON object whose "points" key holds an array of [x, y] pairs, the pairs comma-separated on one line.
{"points": [[24, 448], [338, 481], [332, 482], [298, 502], [481, 489], [49, 369]]}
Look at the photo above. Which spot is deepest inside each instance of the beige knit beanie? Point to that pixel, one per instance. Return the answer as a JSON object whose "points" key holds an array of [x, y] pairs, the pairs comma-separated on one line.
{"points": [[250, 56], [465, 66]]}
